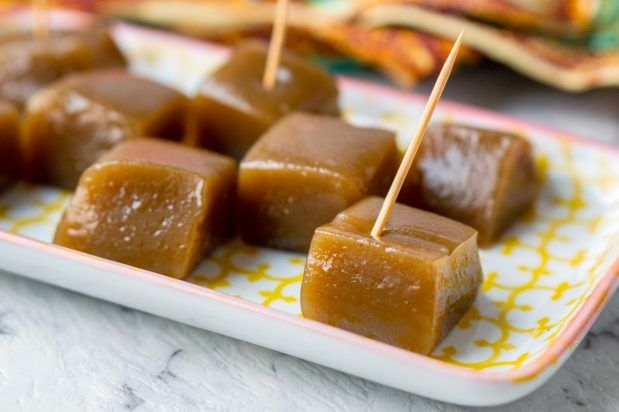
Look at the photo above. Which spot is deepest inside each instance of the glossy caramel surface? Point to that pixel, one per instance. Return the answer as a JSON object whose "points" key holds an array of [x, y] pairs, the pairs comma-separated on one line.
{"points": [[233, 108], [9, 144], [407, 289], [305, 170], [70, 124], [479, 177], [28, 64], [152, 204]]}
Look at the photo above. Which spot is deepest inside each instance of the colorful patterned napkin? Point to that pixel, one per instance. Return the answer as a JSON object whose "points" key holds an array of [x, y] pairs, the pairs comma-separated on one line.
{"points": [[569, 44]]}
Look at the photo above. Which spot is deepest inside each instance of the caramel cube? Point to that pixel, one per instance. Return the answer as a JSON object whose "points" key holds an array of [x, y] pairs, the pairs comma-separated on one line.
{"points": [[9, 144], [152, 204], [233, 109], [304, 171], [482, 178], [70, 124], [408, 288], [27, 64]]}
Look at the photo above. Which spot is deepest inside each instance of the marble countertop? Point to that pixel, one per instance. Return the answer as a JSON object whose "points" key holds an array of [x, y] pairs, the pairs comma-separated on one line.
{"points": [[63, 351]]}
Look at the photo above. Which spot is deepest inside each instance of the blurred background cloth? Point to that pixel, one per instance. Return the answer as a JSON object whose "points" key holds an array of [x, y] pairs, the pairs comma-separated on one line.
{"points": [[569, 44]]}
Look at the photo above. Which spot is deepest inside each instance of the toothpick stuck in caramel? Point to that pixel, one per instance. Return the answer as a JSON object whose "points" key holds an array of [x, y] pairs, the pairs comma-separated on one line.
{"points": [[276, 45], [41, 19], [413, 146]]}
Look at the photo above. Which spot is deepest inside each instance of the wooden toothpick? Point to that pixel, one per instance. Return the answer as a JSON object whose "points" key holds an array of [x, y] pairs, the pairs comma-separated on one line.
{"points": [[276, 44], [41, 19], [413, 146]]}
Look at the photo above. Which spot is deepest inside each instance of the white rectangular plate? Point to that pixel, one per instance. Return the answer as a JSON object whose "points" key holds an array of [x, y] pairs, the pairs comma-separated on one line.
{"points": [[545, 282]]}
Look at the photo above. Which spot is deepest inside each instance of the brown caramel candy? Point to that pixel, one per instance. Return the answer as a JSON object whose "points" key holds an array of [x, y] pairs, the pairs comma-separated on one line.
{"points": [[407, 289], [69, 125], [28, 64], [304, 171], [9, 144], [152, 204], [233, 109], [482, 178]]}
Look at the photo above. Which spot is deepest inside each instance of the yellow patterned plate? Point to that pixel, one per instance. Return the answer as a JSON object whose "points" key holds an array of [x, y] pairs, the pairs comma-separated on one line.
{"points": [[545, 282]]}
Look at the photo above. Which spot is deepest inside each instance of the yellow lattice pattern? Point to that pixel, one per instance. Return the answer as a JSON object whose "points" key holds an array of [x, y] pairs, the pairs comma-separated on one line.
{"points": [[546, 248], [26, 207], [225, 271]]}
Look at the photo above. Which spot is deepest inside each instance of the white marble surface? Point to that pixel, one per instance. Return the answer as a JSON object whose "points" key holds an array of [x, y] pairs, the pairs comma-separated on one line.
{"points": [[63, 351]]}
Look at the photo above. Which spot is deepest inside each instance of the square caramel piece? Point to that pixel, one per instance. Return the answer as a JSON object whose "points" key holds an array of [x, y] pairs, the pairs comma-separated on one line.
{"points": [[152, 204], [408, 288], [233, 109], [9, 144], [304, 171], [72, 123], [28, 64], [482, 178]]}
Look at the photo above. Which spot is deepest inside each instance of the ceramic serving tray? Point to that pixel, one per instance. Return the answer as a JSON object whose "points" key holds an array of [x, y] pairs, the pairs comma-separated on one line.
{"points": [[545, 282]]}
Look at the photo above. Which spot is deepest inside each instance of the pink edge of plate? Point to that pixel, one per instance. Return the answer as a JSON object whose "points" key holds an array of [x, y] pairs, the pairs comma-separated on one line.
{"points": [[566, 339]]}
